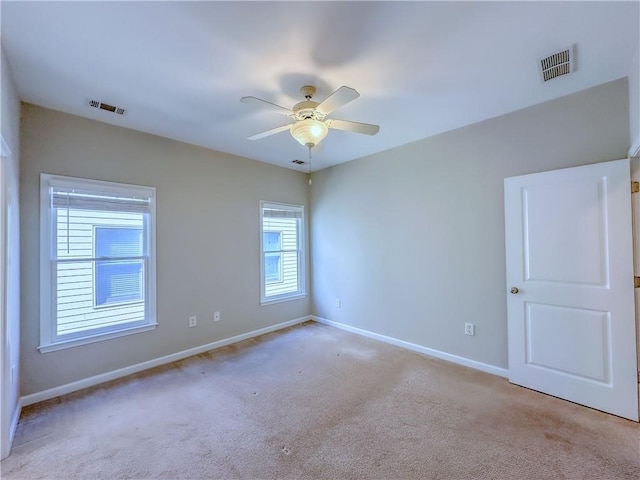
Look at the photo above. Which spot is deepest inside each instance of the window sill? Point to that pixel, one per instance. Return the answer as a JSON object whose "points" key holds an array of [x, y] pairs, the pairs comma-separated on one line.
{"points": [[52, 347], [288, 298]]}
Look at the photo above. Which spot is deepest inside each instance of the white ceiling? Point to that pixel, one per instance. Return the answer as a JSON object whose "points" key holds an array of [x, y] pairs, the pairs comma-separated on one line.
{"points": [[422, 68]]}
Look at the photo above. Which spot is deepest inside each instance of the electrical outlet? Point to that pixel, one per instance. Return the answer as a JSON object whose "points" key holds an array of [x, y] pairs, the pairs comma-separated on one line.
{"points": [[338, 303], [193, 321], [469, 329], [216, 316]]}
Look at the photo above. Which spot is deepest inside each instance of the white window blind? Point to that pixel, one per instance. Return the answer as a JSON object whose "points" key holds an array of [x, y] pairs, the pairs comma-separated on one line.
{"points": [[99, 275], [282, 256], [97, 201]]}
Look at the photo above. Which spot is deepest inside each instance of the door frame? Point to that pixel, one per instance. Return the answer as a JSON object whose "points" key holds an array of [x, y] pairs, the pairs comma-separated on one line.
{"points": [[635, 226], [5, 379]]}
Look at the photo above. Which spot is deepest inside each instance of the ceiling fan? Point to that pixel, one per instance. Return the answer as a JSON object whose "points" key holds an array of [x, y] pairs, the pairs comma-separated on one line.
{"points": [[310, 124]]}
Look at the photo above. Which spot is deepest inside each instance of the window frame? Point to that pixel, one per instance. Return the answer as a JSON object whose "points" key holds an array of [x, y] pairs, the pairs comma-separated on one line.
{"points": [[49, 339], [301, 254]]}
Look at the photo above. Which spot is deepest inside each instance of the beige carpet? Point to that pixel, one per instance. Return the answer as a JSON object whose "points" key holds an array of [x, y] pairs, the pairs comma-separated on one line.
{"points": [[316, 402]]}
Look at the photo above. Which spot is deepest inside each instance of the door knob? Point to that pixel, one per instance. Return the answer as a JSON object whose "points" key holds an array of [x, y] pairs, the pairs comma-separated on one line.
{"points": [[514, 290]]}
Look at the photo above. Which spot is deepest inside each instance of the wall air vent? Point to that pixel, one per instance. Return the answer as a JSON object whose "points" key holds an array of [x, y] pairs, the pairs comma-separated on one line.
{"points": [[557, 64], [298, 162], [106, 106]]}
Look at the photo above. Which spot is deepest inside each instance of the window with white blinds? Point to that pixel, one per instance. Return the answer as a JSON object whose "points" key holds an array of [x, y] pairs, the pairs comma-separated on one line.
{"points": [[282, 255], [97, 260]]}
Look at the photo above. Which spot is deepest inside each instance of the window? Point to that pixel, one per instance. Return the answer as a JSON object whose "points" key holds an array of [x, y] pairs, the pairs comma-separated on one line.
{"points": [[97, 261], [282, 257], [272, 245], [119, 279]]}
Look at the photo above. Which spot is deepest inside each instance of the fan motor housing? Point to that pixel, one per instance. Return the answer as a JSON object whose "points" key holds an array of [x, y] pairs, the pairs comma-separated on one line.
{"points": [[307, 109]]}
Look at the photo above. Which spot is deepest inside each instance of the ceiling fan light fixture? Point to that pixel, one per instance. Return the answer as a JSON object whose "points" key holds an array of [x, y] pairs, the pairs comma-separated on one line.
{"points": [[309, 132]]}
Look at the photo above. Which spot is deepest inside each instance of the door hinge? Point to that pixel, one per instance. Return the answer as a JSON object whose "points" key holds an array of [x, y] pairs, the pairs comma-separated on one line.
{"points": [[636, 282], [635, 187]]}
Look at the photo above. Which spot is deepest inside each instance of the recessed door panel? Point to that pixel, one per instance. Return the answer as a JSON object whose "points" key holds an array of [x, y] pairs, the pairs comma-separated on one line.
{"points": [[571, 341], [564, 225]]}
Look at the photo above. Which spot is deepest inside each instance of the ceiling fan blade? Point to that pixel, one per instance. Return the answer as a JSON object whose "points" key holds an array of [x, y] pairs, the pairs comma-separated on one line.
{"points": [[269, 105], [356, 127], [279, 129], [337, 99]]}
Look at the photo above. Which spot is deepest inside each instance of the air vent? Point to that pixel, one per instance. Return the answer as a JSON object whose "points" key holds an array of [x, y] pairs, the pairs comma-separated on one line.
{"points": [[298, 162], [557, 64], [106, 106]]}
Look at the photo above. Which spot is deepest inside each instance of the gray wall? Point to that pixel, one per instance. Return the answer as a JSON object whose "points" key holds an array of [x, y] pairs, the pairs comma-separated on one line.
{"points": [[10, 128], [412, 240], [634, 103], [207, 239]]}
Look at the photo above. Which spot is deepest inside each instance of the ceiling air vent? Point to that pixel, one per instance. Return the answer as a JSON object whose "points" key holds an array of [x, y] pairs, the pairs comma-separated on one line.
{"points": [[298, 162], [557, 64], [106, 106]]}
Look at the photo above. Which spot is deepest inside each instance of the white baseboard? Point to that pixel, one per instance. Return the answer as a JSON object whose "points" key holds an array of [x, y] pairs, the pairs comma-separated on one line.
{"points": [[139, 367], [484, 367], [123, 372]]}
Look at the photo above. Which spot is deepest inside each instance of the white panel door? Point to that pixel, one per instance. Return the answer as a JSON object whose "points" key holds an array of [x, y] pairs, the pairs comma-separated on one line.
{"points": [[570, 295]]}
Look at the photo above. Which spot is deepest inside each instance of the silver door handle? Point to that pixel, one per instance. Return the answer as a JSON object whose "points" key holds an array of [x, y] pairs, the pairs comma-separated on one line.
{"points": [[514, 290]]}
